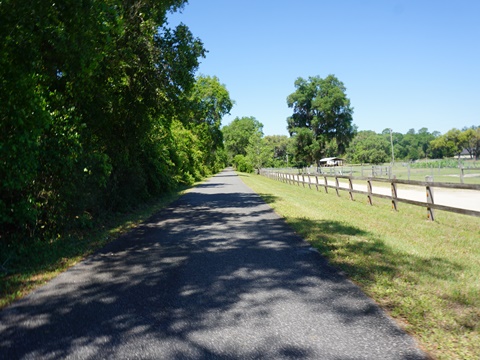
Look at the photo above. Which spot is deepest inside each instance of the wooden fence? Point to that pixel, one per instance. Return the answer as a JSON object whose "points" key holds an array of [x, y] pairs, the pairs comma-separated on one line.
{"points": [[321, 180], [376, 171]]}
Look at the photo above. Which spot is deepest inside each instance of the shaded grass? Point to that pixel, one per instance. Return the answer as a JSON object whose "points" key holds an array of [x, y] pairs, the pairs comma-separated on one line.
{"points": [[425, 274], [25, 266]]}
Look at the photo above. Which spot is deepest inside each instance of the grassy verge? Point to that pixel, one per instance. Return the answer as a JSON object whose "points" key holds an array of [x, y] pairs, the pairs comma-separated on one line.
{"points": [[425, 274], [23, 267]]}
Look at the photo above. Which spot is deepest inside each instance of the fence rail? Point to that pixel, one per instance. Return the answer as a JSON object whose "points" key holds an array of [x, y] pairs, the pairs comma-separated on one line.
{"points": [[428, 185], [462, 173]]}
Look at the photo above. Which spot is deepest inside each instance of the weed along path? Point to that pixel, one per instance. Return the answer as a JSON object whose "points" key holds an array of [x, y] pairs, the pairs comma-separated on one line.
{"points": [[217, 275]]}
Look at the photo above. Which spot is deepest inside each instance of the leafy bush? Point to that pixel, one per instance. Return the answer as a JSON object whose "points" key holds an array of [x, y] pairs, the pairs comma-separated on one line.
{"points": [[242, 164]]}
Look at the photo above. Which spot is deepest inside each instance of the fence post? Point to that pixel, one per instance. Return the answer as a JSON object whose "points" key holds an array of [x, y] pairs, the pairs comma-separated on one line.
{"points": [[309, 182], [394, 194], [351, 187], [369, 189], [337, 186], [462, 173], [326, 184], [316, 181], [303, 180], [429, 190]]}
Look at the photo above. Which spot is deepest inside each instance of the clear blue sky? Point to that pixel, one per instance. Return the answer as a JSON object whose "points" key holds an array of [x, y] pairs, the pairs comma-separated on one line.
{"points": [[405, 64]]}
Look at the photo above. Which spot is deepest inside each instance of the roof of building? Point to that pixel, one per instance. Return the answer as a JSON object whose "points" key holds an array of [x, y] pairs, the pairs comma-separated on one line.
{"points": [[331, 159]]}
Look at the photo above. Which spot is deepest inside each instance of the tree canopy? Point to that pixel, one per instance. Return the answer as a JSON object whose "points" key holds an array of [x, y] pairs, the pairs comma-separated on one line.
{"points": [[368, 147], [100, 110], [320, 106], [237, 135]]}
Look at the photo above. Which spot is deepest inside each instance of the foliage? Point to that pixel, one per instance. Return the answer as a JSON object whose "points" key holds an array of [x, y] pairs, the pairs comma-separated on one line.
{"points": [[322, 107], [100, 111], [237, 135], [277, 148], [449, 144], [471, 137], [304, 147], [242, 164], [368, 147], [248, 149], [257, 152], [210, 101], [188, 156]]}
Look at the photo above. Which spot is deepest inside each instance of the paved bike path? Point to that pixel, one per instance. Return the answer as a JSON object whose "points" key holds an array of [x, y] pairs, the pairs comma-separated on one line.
{"points": [[217, 275]]}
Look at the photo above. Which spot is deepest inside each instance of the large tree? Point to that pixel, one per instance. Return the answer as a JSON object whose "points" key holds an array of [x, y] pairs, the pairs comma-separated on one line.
{"points": [[472, 141], [321, 106], [196, 135], [449, 144], [211, 102], [237, 135]]}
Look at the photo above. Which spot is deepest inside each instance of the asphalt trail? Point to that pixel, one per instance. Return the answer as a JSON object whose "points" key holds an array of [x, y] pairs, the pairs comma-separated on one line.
{"points": [[217, 275]]}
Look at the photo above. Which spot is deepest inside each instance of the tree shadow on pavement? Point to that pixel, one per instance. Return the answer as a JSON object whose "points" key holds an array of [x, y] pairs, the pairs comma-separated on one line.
{"points": [[213, 276]]}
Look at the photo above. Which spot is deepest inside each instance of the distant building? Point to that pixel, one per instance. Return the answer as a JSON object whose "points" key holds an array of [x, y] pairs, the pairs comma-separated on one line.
{"points": [[332, 161], [465, 154]]}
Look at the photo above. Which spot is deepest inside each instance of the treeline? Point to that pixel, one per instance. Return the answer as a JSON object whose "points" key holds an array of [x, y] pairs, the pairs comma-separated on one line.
{"points": [[99, 110], [248, 149], [373, 148], [321, 125]]}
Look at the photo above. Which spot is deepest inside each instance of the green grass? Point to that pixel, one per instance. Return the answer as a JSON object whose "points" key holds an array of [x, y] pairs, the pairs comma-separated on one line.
{"points": [[425, 274], [440, 174], [24, 267], [451, 175]]}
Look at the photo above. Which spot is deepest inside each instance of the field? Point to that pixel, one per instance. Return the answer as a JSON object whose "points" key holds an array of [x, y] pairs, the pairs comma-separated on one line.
{"points": [[468, 171], [425, 274], [439, 172]]}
